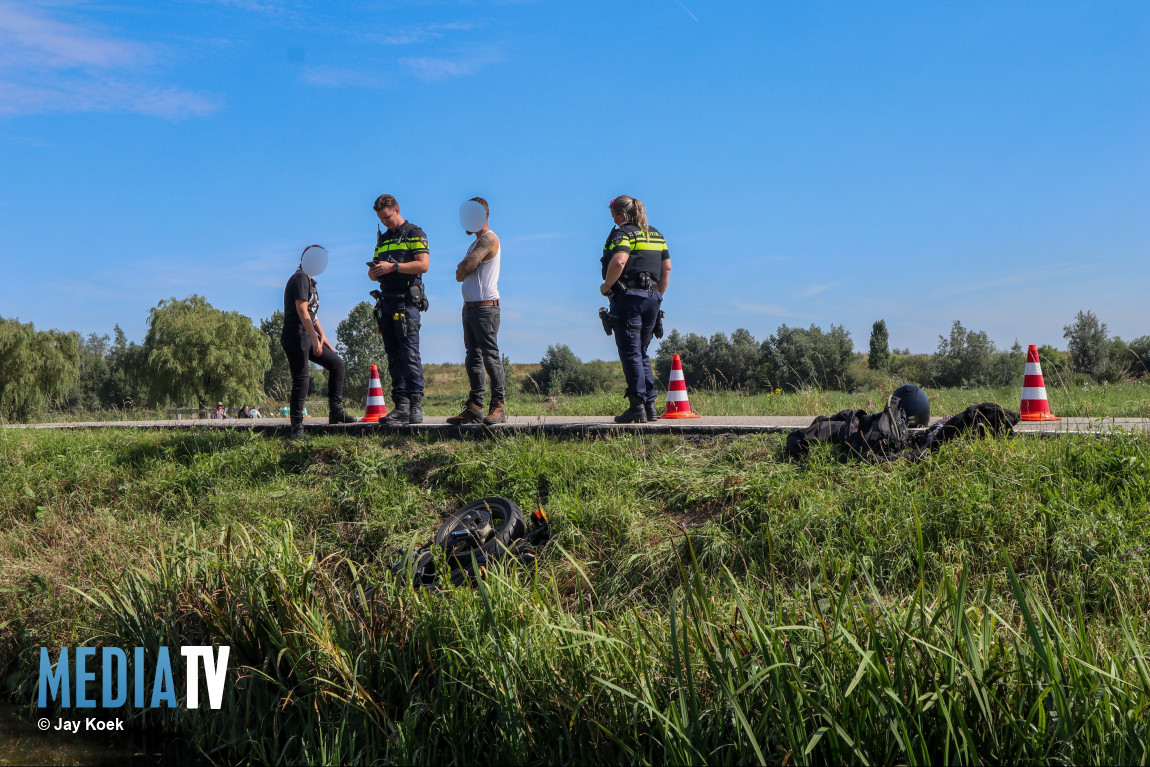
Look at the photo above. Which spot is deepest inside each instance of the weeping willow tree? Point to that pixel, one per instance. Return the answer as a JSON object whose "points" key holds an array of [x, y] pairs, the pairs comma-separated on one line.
{"points": [[195, 353], [37, 367]]}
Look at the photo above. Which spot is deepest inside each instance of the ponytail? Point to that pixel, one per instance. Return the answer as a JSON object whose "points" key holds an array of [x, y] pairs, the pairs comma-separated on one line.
{"points": [[641, 216], [632, 208]]}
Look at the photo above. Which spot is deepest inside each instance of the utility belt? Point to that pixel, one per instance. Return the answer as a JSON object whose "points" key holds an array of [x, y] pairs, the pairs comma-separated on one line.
{"points": [[413, 295], [608, 322], [386, 314], [641, 281]]}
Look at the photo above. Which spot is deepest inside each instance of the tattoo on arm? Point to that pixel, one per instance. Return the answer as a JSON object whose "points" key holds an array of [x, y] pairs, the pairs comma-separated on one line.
{"points": [[484, 250]]}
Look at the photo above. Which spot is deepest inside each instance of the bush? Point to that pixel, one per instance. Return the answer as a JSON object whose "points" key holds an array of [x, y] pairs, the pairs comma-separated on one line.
{"points": [[715, 363], [1054, 362], [796, 358], [1008, 368], [912, 368], [963, 360], [561, 372], [1138, 355], [863, 377]]}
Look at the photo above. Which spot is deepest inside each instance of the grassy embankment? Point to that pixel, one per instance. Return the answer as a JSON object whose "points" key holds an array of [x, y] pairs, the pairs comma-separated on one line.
{"points": [[702, 601], [447, 388]]}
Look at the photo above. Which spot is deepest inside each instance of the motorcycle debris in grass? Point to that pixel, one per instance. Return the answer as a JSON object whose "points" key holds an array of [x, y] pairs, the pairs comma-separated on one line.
{"points": [[484, 533]]}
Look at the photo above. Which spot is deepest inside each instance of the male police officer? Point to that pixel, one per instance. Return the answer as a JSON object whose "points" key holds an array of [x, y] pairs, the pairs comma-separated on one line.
{"points": [[401, 258]]}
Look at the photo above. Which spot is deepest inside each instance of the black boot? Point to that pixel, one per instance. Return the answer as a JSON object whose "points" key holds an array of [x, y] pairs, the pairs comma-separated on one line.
{"points": [[416, 414], [336, 413], [637, 413], [296, 431], [652, 412], [399, 414]]}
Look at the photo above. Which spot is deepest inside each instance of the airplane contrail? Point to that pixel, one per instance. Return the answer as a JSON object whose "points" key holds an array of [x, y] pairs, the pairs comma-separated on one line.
{"points": [[688, 10]]}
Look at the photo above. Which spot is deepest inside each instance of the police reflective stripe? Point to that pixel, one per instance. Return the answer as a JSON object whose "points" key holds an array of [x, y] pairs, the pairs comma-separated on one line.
{"points": [[408, 246]]}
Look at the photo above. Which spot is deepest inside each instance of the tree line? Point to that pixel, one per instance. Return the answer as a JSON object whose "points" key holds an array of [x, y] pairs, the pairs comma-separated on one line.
{"points": [[796, 358], [194, 355]]}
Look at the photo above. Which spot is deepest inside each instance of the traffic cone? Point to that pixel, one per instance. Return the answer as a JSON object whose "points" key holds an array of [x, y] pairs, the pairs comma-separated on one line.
{"points": [[677, 404], [376, 407], [1034, 405]]}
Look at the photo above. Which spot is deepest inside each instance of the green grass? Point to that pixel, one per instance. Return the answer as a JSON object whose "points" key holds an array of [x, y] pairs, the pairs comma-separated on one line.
{"points": [[701, 601]]}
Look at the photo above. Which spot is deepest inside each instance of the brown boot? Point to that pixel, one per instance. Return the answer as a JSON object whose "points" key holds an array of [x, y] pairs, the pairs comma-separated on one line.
{"points": [[495, 415], [472, 413]]}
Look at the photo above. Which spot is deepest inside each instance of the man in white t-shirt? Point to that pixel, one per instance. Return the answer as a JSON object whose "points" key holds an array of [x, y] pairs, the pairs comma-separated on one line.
{"points": [[479, 273]]}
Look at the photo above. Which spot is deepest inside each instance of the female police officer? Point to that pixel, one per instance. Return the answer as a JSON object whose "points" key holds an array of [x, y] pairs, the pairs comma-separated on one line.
{"points": [[636, 271]]}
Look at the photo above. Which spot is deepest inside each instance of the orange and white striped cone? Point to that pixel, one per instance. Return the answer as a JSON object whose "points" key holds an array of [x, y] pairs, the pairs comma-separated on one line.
{"points": [[1034, 405], [677, 404], [376, 407]]}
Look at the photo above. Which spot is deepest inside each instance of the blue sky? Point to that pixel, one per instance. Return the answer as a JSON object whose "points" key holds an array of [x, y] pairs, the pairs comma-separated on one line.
{"points": [[808, 162]]}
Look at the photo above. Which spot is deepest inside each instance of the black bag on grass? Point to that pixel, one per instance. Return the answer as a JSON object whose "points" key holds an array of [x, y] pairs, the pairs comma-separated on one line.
{"points": [[873, 437]]}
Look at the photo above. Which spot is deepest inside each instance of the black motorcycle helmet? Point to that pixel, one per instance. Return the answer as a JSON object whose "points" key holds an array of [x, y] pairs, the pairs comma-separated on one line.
{"points": [[914, 403]]}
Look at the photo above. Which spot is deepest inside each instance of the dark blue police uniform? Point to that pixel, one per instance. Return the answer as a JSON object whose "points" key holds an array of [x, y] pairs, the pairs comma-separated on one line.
{"points": [[635, 302], [397, 310]]}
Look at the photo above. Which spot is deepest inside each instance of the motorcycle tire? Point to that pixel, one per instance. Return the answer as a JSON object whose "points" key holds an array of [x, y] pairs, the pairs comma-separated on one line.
{"points": [[506, 519]]}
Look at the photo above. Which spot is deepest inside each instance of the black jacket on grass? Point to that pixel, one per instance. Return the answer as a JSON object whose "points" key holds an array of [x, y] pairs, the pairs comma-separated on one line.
{"points": [[881, 437]]}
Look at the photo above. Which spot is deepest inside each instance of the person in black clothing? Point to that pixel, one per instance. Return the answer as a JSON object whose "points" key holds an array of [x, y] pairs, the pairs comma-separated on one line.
{"points": [[303, 339], [636, 270], [401, 259]]}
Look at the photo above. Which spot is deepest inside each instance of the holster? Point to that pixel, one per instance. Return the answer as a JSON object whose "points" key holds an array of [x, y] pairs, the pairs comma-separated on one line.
{"points": [[659, 323], [605, 318], [419, 296]]}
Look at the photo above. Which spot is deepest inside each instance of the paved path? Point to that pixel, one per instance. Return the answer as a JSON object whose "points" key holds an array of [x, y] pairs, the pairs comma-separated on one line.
{"points": [[707, 425]]}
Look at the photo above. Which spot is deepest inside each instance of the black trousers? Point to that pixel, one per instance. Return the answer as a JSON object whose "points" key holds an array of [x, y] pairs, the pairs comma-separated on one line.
{"points": [[299, 351], [480, 328]]}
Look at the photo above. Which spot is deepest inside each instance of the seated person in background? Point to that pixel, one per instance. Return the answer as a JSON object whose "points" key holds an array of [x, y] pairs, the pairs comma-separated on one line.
{"points": [[245, 412], [255, 412], [220, 411]]}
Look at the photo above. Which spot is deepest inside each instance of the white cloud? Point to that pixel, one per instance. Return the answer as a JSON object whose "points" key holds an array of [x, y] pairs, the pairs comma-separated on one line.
{"points": [[268, 7], [418, 34], [31, 40], [336, 77], [814, 290], [83, 95], [47, 65], [771, 309], [432, 69]]}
